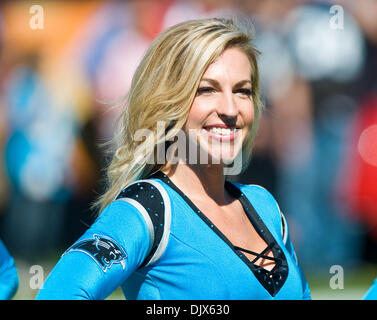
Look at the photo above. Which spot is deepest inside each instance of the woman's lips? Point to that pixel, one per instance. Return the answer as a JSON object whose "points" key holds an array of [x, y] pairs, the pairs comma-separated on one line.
{"points": [[223, 134]]}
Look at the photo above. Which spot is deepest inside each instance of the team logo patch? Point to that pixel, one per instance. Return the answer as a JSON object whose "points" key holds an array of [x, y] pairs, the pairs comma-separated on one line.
{"points": [[103, 250]]}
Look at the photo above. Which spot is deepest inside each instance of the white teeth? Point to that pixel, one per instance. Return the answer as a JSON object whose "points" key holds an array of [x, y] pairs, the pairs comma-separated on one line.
{"points": [[223, 131]]}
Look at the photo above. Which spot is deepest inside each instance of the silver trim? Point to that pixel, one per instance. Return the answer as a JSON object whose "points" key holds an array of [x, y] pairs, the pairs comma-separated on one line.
{"points": [[167, 221], [167, 218], [284, 228], [146, 217]]}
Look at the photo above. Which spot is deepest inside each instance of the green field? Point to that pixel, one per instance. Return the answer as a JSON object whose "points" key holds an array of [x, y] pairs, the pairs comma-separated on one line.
{"points": [[354, 287]]}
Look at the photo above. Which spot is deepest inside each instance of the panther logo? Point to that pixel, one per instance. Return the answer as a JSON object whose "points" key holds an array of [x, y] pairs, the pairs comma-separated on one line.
{"points": [[103, 250]]}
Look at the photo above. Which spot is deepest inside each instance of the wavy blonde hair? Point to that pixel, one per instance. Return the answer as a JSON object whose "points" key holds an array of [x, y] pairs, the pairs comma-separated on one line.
{"points": [[163, 89]]}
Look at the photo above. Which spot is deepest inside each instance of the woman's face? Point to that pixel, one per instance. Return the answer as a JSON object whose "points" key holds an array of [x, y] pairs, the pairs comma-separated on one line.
{"points": [[222, 111]]}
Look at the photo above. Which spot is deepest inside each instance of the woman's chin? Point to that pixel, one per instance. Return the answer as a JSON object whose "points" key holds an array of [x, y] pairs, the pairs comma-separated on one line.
{"points": [[217, 157]]}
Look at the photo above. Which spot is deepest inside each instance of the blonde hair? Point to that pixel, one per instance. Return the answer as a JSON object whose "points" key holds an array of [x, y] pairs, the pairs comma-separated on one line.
{"points": [[163, 88]]}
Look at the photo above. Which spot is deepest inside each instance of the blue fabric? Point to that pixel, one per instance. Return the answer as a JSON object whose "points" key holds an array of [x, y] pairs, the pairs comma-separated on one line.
{"points": [[372, 292], [196, 264], [8, 274]]}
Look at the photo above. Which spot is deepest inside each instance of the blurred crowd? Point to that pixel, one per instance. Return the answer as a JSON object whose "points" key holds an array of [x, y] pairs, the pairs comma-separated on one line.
{"points": [[316, 150]]}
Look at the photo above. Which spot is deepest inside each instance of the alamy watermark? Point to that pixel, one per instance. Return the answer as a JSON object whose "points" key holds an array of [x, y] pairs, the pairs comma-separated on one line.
{"points": [[337, 280], [37, 279], [36, 21], [336, 21], [197, 146]]}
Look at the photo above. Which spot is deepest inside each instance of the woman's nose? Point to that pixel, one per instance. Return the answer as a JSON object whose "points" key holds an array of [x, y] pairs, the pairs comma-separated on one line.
{"points": [[227, 105]]}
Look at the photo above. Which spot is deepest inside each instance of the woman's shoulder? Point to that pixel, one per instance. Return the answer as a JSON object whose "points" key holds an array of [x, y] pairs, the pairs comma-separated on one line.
{"points": [[256, 192], [150, 187], [263, 202], [139, 196]]}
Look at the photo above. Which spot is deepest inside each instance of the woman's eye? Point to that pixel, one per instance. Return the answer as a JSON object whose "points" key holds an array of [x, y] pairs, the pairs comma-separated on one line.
{"points": [[205, 90], [245, 92]]}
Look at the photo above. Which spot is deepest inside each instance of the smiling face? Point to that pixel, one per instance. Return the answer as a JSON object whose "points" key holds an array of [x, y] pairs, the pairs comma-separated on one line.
{"points": [[222, 110]]}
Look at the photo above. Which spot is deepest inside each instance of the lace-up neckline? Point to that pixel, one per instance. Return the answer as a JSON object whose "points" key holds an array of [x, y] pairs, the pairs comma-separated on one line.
{"points": [[272, 280]]}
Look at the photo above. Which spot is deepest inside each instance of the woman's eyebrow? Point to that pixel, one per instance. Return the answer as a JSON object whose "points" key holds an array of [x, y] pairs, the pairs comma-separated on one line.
{"points": [[215, 83], [241, 83]]}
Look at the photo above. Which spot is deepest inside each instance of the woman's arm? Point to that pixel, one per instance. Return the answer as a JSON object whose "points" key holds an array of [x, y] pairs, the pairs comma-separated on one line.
{"points": [[102, 259], [305, 285], [372, 292], [8, 274]]}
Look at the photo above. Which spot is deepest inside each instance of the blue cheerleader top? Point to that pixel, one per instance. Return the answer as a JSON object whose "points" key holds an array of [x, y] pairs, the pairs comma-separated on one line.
{"points": [[154, 243]]}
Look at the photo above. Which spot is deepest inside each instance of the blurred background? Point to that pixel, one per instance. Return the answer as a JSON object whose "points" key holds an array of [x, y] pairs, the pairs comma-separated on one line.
{"points": [[316, 151]]}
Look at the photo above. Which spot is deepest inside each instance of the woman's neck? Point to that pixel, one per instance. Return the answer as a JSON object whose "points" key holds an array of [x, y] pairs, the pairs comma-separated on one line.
{"points": [[199, 181]]}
